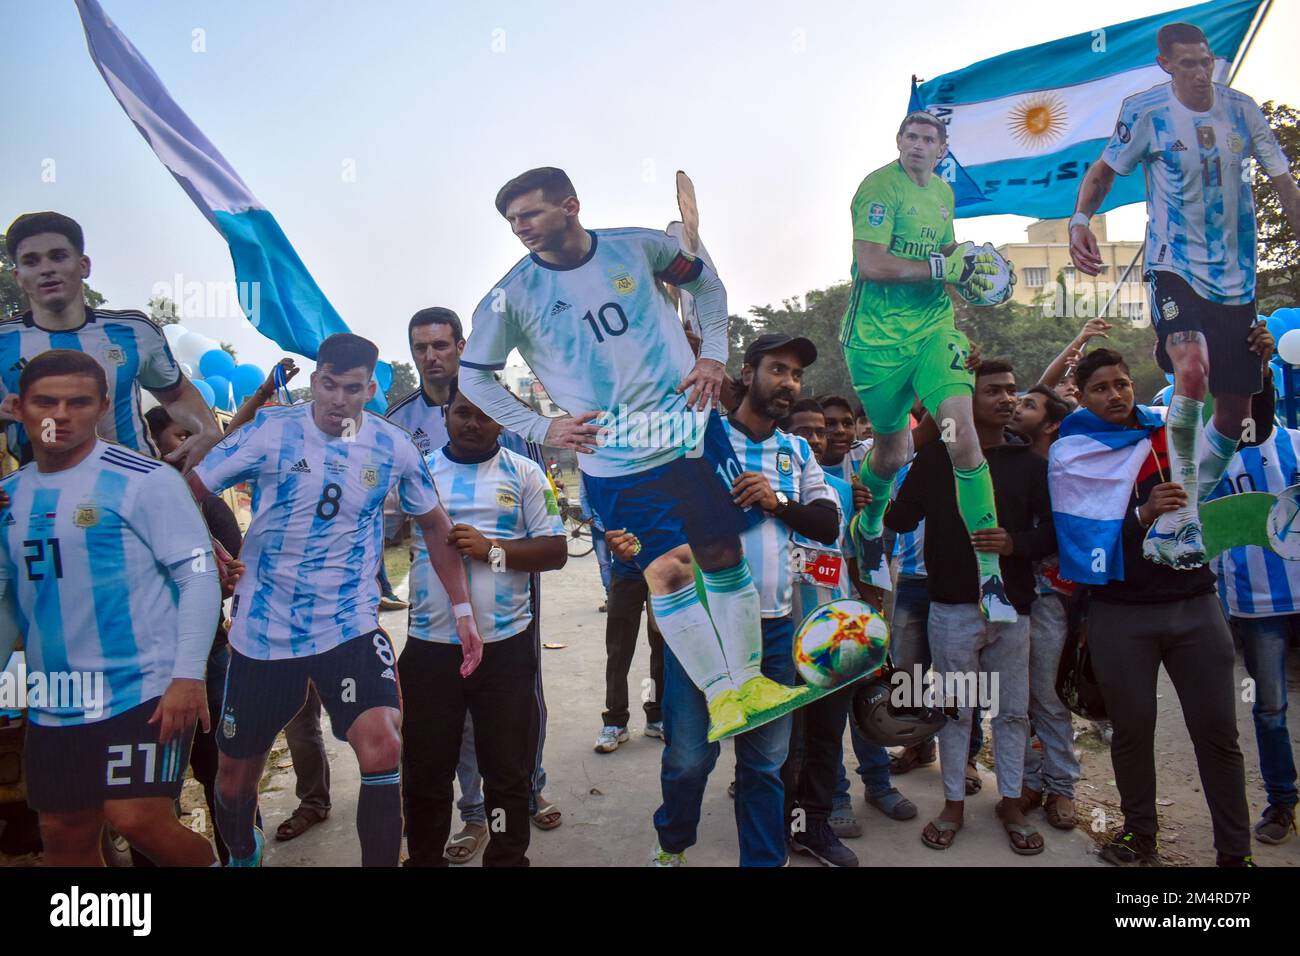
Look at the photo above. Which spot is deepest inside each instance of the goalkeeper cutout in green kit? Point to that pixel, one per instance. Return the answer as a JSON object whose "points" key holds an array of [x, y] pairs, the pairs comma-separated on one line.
{"points": [[901, 342]]}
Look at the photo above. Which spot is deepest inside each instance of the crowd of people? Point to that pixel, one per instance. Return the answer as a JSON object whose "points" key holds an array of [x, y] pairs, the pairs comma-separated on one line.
{"points": [[992, 516]]}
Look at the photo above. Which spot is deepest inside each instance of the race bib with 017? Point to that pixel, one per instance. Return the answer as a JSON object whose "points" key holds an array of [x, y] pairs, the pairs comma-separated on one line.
{"points": [[821, 568]]}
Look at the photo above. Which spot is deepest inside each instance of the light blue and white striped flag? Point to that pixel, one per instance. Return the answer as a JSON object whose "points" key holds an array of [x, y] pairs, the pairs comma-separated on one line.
{"points": [[291, 309], [1026, 125]]}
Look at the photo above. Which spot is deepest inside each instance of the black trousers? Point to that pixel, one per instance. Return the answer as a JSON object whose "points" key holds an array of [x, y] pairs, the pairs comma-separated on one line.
{"points": [[627, 596], [499, 696], [813, 761], [1129, 642]]}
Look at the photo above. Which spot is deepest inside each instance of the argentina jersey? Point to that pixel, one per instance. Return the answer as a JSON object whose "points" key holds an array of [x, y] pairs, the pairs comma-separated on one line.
{"points": [[316, 539], [129, 346], [505, 498], [910, 545], [602, 336], [788, 464], [86, 553], [1256, 581], [851, 463], [423, 419], [1200, 210]]}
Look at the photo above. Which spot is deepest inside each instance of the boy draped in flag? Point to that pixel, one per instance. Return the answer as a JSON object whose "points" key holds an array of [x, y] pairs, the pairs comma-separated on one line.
{"points": [[1193, 138], [900, 341], [587, 314]]}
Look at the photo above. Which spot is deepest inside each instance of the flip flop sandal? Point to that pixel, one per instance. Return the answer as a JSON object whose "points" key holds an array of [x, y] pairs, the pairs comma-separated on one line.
{"points": [[464, 846], [299, 822], [1060, 811], [910, 759], [547, 816], [973, 781], [1024, 831], [943, 826]]}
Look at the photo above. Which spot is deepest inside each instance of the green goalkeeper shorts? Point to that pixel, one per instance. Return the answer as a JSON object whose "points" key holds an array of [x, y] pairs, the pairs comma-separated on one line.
{"points": [[888, 379]]}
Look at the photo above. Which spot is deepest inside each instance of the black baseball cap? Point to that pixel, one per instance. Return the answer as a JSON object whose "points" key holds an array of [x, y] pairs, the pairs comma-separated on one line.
{"points": [[771, 341]]}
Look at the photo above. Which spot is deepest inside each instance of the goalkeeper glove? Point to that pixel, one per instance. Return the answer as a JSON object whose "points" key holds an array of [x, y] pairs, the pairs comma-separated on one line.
{"points": [[964, 266]]}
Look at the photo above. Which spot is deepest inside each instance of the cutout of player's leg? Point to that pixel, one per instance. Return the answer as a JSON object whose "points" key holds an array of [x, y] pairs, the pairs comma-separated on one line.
{"points": [[975, 500], [886, 458], [735, 610], [151, 826], [72, 838], [1176, 538], [376, 739], [690, 634], [237, 781]]}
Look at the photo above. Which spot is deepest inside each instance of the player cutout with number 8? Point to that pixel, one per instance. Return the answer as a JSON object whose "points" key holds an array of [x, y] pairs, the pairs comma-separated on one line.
{"points": [[307, 610]]}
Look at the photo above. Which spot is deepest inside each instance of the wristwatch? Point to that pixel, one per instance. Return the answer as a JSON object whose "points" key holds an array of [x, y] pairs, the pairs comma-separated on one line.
{"points": [[781, 501], [497, 555]]}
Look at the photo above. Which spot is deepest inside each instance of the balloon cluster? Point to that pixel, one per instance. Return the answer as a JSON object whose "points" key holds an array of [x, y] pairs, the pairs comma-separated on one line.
{"points": [[1284, 324], [223, 384]]}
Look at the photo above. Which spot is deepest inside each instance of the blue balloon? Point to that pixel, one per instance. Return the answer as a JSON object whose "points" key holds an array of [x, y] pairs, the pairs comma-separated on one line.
{"points": [[221, 390], [216, 362], [205, 390], [245, 380]]}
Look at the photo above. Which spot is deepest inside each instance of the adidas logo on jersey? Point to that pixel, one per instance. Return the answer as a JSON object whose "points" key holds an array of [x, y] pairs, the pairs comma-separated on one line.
{"points": [[559, 307], [388, 674], [1178, 146], [301, 467], [19, 365], [912, 211]]}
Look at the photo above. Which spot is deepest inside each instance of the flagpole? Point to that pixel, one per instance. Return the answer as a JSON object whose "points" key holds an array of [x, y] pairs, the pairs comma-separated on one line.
{"points": [[1241, 57], [1122, 279]]}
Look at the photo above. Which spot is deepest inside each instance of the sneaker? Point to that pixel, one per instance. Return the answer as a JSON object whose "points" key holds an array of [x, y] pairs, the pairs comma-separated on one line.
{"points": [[821, 843], [726, 714], [604, 607], [259, 841], [609, 739], [654, 728], [1180, 546], [1276, 825], [391, 602], [993, 601], [1129, 848], [844, 824], [663, 858], [759, 694], [1222, 860]]}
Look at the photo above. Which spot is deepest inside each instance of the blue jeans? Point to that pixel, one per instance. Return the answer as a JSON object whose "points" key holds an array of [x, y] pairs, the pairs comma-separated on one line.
{"points": [[602, 555], [873, 768], [1264, 643], [689, 758]]}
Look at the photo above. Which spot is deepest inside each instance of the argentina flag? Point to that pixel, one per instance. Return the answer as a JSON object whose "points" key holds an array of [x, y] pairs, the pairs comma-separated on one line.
{"points": [[1024, 126], [290, 308]]}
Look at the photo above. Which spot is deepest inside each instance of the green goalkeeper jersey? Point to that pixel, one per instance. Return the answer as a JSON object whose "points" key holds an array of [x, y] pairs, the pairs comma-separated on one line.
{"points": [[911, 222]]}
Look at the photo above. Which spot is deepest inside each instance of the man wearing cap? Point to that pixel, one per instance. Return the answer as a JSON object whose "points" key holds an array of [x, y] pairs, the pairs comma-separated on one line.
{"points": [[782, 482]]}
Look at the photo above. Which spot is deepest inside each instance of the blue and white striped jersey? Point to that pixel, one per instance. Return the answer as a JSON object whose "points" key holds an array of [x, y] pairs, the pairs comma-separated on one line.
{"points": [[788, 464], [602, 336], [317, 536], [807, 594], [128, 344], [910, 545], [1257, 582], [86, 552], [505, 498], [428, 427], [1200, 210], [851, 463]]}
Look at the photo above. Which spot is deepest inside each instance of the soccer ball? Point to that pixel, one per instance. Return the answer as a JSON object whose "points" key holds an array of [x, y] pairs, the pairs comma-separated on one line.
{"points": [[1284, 524], [1004, 281], [840, 641]]}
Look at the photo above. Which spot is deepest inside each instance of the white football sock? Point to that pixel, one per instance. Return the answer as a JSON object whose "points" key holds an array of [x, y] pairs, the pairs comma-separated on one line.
{"points": [[689, 634], [734, 607]]}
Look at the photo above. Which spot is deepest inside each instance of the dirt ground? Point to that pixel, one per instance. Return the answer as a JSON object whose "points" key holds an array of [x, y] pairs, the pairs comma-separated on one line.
{"points": [[608, 799]]}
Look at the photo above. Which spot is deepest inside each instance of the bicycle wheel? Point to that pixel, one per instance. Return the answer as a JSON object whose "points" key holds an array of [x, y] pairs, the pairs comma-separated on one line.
{"points": [[579, 535]]}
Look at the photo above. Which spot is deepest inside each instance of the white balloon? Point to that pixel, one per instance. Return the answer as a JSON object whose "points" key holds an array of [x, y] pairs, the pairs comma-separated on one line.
{"points": [[188, 369], [191, 346], [1288, 346], [174, 332]]}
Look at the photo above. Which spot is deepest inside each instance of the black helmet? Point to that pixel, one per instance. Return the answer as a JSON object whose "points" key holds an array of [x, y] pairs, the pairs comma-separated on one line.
{"points": [[880, 722]]}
